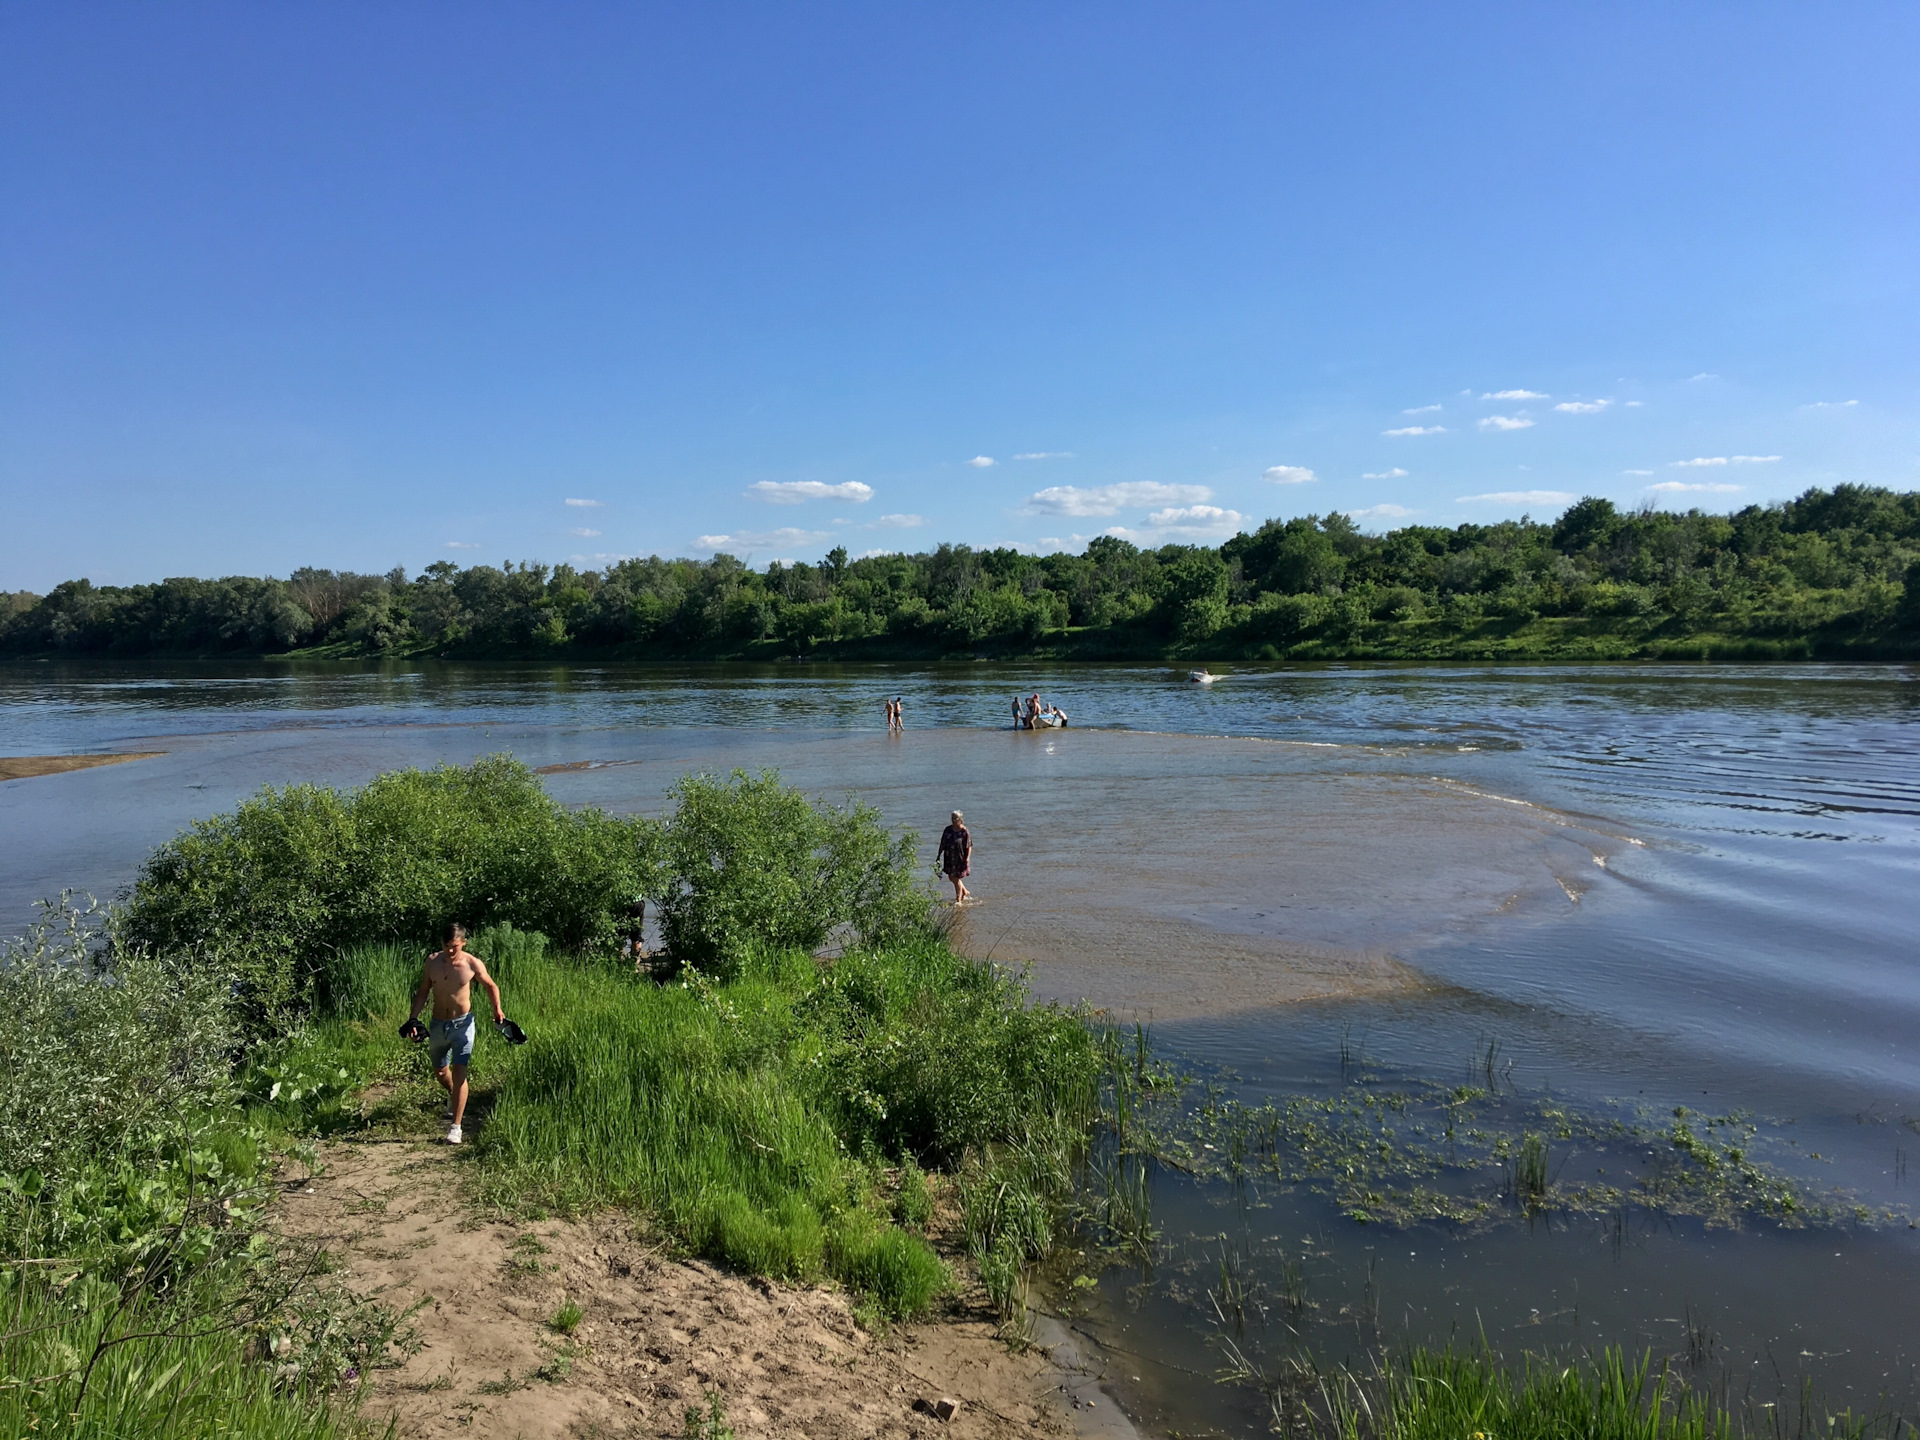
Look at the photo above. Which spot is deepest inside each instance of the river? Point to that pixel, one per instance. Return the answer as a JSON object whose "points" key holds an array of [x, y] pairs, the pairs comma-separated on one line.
{"points": [[1620, 890]]}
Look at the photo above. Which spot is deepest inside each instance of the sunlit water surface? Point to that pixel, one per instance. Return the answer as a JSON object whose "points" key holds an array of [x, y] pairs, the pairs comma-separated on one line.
{"points": [[1645, 886]]}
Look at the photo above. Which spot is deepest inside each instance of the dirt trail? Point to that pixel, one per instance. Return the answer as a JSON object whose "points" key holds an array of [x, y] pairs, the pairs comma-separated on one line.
{"points": [[656, 1334]]}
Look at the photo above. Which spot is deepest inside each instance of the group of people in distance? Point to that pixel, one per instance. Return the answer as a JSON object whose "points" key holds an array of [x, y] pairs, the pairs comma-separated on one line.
{"points": [[1027, 713], [895, 720]]}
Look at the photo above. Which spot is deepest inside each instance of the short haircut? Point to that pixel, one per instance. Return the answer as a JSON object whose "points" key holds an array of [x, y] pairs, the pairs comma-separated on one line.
{"points": [[453, 929], [956, 817]]}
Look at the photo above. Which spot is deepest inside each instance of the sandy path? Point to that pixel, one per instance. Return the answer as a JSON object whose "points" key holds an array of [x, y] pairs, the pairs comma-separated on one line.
{"points": [[657, 1333]]}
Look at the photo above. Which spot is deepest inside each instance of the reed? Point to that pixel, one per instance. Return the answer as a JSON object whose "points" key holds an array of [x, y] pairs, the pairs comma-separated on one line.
{"points": [[1457, 1395]]}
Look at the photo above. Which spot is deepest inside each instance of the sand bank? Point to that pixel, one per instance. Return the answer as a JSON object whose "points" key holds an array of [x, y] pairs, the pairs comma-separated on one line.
{"points": [[25, 767], [656, 1335]]}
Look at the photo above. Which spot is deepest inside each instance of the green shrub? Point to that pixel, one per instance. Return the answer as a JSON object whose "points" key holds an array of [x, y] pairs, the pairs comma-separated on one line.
{"points": [[269, 893], [101, 1048], [752, 864]]}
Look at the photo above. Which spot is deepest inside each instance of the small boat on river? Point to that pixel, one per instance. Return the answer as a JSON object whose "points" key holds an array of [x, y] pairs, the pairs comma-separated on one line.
{"points": [[1202, 676]]}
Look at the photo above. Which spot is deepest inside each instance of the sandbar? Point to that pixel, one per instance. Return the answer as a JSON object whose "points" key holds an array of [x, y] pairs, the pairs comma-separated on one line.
{"points": [[25, 767]]}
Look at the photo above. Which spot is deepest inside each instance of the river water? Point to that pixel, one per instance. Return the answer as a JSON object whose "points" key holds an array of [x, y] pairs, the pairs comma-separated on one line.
{"points": [[1622, 889]]}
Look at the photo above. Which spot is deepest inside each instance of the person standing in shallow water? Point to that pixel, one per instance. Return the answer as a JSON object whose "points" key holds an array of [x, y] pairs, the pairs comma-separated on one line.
{"points": [[449, 977], [956, 858]]}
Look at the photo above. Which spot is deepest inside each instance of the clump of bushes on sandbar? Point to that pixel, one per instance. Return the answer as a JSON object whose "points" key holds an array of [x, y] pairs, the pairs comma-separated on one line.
{"points": [[268, 892]]}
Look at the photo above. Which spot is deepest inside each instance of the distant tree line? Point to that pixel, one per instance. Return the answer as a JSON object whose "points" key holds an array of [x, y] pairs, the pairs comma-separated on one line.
{"points": [[1832, 572]]}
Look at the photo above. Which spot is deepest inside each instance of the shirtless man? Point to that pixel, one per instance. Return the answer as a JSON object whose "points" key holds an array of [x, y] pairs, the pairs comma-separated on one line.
{"points": [[449, 977]]}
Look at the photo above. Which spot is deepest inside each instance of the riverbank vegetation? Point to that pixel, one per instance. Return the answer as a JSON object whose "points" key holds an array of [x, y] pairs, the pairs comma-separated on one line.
{"points": [[778, 1113], [1830, 574]]}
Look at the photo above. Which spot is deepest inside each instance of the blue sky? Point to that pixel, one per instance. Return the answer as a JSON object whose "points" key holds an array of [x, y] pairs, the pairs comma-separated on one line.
{"points": [[360, 285]]}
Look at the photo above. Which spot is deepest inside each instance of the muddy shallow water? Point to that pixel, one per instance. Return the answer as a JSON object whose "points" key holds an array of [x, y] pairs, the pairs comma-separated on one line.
{"points": [[1647, 886]]}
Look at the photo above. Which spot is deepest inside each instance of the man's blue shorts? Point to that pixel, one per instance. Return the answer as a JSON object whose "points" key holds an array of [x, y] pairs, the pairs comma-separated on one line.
{"points": [[450, 1042]]}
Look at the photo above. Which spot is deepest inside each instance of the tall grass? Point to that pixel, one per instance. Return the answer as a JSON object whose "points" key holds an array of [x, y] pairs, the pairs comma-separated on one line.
{"points": [[195, 1378], [1455, 1395], [755, 1117]]}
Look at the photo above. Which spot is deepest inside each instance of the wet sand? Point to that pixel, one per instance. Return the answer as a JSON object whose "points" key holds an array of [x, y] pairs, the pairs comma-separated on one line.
{"points": [[25, 767]]}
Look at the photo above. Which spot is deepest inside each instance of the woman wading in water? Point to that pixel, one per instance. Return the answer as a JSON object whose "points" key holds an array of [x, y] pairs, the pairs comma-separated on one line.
{"points": [[956, 858]]}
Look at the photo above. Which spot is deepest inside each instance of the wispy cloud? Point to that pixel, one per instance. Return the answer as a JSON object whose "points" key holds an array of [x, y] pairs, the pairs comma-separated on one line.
{"points": [[1670, 487], [1636, 472], [462, 545], [1422, 409], [1831, 405], [1505, 422], [583, 532], [1112, 499], [1290, 475], [1516, 395], [1396, 473], [587, 504], [796, 492], [1417, 430], [1380, 512], [1582, 407], [1700, 462], [1185, 522], [788, 537], [1635, 404], [1516, 497], [1039, 455], [981, 462], [897, 522]]}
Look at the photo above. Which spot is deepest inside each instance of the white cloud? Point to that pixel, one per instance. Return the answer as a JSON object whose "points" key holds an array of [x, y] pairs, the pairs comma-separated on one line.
{"points": [[1636, 472], [1831, 405], [795, 492], [1186, 522], [981, 462], [1290, 475], [1703, 375], [1422, 410], [1111, 499], [583, 532], [787, 537], [1754, 459], [1380, 512], [897, 522], [1041, 455], [1517, 497], [1702, 461], [1515, 395], [1505, 422], [587, 504], [1582, 407], [461, 545], [1635, 404], [1674, 486], [1396, 473], [1418, 430]]}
